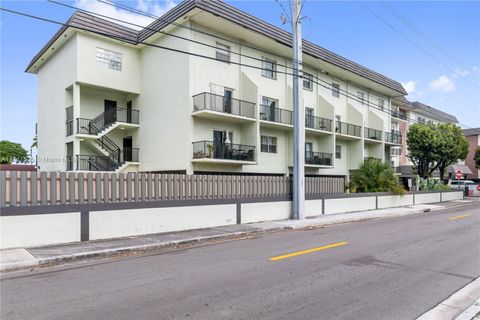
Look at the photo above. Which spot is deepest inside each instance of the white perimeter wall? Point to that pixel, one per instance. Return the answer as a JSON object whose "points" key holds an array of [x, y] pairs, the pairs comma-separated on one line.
{"points": [[349, 204], [124, 223], [44, 229], [395, 201], [39, 230]]}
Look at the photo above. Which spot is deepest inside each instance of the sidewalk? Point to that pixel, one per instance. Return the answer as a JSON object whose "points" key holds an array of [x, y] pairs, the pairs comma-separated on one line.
{"points": [[17, 259]]}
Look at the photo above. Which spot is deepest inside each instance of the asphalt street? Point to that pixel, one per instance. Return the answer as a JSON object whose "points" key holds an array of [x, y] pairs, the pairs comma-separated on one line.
{"points": [[392, 268]]}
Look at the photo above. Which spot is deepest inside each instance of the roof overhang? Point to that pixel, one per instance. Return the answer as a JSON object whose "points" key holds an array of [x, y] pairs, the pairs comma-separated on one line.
{"points": [[238, 24]]}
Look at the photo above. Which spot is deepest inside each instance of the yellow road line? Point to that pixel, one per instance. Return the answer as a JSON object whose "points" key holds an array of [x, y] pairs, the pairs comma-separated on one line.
{"points": [[459, 217], [298, 253]]}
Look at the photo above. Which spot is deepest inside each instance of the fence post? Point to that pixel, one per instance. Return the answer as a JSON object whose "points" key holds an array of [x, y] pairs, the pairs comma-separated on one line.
{"points": [[89, 187], [33, 188], [63, 188], [23, 188]]}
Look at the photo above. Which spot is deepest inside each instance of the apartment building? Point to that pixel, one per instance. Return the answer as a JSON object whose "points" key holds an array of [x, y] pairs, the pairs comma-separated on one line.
{"points": [[473, 137], [116, 99], [404, 114]]}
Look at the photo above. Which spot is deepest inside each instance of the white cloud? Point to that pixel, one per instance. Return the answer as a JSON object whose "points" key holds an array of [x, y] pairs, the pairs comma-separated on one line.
{"points": [[410, 86], [443, 84], [153, 7], [460, 73]]}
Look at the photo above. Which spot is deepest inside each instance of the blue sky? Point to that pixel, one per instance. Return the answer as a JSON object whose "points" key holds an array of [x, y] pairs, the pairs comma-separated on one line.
{"points": [[439, 64]]}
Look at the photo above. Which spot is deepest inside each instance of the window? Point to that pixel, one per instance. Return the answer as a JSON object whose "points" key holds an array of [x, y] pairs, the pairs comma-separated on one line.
{"points": [[69, 120], [109, 59], [335, 90], [338, 151], [269, 110], [309, 118], [69, 157], [307, 81], [269, 68], [269, 144], [223, 52], [360, 97], [381, 104]]}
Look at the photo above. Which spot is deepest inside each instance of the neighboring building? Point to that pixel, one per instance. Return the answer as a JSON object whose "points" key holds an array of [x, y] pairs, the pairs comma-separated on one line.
{"points": [[409, 113], [473, 137], [128, 105]]}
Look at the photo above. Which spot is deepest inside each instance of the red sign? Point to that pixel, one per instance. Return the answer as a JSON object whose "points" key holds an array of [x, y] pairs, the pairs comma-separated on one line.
{"points": [[459, 174], [478, 187]]}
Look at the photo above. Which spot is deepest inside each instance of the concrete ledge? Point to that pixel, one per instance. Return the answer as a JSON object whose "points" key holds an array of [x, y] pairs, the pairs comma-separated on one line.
{"points": [[456, 304], [16, 259]]}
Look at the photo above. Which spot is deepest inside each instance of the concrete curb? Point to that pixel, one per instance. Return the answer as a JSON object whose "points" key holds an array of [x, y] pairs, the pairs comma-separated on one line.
{"points": [[279, 226], [152, 247], [458, 305]]}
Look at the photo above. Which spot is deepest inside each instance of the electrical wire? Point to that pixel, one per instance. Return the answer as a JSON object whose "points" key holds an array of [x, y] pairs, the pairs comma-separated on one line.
{"points": [[411, 41], [120, 38]]}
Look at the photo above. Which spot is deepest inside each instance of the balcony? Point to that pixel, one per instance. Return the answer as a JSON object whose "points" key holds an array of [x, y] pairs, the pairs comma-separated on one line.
{"points": [[394, 137], [372, 134], [395, 151], [318, 158], [213, 106], [313, 123], [212, 152], [348, 131], [372, 159], [399, 115], [276, 116]]}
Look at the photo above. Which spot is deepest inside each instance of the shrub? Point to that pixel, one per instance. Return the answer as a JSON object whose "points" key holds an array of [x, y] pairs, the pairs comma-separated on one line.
{"points": [[375, 176], [430, 184]]}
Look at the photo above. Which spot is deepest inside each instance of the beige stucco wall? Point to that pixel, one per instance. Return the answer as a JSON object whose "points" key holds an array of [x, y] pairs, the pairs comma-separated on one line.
{"points": [[54, 78]]}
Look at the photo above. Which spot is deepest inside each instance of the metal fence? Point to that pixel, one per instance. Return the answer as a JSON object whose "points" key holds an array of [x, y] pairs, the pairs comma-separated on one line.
{"points": [[61, 188]]}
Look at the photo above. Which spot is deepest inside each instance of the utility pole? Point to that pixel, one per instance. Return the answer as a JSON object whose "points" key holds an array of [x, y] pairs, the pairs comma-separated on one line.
{"points": [[298, 116]]}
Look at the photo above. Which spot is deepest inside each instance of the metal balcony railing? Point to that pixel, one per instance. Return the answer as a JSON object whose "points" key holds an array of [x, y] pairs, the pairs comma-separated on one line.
{"points": [[348, 129], [372, 134], [318, 158], [116, 114], [393, 137], [399, 115], [226, 151], [104, 163], [273, 114], [372, 158], [318, 123], [224, 104]]}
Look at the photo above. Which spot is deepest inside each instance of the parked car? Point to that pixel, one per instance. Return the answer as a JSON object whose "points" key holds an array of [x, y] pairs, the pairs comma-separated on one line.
{"points": [[460, 184]]}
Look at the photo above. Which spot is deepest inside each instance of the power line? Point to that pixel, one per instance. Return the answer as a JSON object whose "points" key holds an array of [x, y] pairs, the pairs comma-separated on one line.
{"points": [[411, 41], [120, 38], [157, 18], [412, 26]]}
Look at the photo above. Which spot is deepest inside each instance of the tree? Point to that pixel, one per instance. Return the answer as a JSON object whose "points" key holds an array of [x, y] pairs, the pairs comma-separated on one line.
{"points": [[453, 146], [423, 143], [375, 176], [12, 152], [433, 147], [476, 158]]}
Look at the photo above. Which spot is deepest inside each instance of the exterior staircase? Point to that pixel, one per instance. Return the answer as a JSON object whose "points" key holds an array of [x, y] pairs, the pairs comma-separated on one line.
{"points": [[112, 158]]}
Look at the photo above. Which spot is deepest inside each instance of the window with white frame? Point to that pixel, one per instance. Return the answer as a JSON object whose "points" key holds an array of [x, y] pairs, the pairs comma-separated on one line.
{"points": [[307, 81], [109, 59], [335, 90], [223, 52], [381, 104], [269, 68], [338, 151], [360, 97], [269, 144]]}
